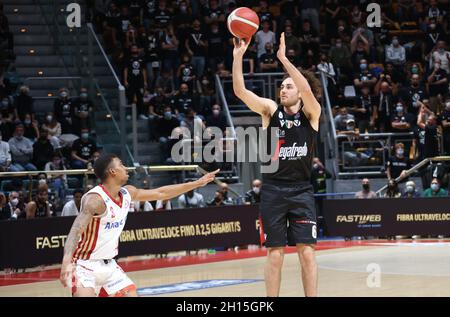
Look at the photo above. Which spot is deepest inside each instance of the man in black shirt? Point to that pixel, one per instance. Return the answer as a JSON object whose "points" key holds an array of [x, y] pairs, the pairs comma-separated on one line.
{"points": [[253, 196], [214, 13], [398, 163], [182, 101], [364, 77], [445, 122], [42, 150], [437, 80], [268, 62], [164, 128], [196, 45], [83, 150], [364, 110], [216, 119], [83, 109], [413, 93], [63, 110], [162, 15], [216, 46], [135, 80], [23, 103]]}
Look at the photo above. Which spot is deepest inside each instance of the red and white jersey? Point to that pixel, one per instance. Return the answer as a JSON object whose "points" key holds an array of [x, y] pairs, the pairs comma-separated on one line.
{"points": [[100, 240]]}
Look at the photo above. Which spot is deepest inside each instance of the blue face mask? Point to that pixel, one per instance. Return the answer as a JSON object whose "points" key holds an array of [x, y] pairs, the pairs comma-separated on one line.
{"points": [[434, 187], [85, 136], [167, 115], [399, 109], [363, 66]]}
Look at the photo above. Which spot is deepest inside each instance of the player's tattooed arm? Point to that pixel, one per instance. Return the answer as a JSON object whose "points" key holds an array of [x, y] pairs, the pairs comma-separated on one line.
{"points": [[92, 205]]}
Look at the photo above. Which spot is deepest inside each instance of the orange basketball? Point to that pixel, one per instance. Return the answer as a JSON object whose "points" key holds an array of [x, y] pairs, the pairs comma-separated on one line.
{"points": [[243, 23]]}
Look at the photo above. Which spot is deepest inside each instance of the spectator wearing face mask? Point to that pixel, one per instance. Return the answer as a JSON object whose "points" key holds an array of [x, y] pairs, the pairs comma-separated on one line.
{"points": [[42, 150], [365, 193], [413, 93], [401, 121], [435, 190], [217, 118], [445, 122], [11, 209], [365, 77], [83, 109], [410, 190], [163, 130], [53, 128], [399, 163], [21, 151], [185, 72], [72, 207], [191, 199], [5, 155], [63, 111], [253, 196], [395, 53], [31, 128], [83, 150]]}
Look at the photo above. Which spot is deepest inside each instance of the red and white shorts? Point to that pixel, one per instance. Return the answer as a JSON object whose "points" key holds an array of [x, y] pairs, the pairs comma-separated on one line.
{"points": [[97, 274]]}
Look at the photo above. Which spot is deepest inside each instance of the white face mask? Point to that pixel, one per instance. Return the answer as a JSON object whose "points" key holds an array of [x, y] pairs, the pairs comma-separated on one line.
{"points": [[42, 182], [14, 202], [256, 190]]}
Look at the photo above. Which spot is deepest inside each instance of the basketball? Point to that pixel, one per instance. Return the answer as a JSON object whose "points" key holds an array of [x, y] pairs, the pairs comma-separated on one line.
{"points": [[243, 23]]}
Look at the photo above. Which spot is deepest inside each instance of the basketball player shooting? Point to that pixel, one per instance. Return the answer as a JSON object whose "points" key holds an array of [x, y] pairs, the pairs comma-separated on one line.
{"points": [[286, 194], [88, 263]]}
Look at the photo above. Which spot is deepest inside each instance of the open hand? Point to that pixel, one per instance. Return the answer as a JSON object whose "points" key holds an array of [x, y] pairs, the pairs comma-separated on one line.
{"points": [[282, 48]]}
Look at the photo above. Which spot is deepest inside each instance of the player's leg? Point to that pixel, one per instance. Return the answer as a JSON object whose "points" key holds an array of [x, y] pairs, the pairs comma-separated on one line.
{"points": [[273, 216], [84, 292], [118, 284], [302, 233], [306, 254], [83, 281], [272, 271]]}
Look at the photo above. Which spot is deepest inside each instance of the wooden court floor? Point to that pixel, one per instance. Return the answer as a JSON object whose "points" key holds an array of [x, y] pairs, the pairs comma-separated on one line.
{"points": [[354, 268]]}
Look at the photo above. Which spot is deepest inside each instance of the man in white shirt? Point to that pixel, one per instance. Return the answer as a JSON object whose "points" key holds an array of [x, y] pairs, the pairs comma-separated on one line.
{"points": [[5, 155], [72, 208], [442, 55], [191, 200], [264, 36], [395, 53]]}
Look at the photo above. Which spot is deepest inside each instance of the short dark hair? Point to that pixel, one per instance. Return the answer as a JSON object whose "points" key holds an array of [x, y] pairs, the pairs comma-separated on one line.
{"points": [[78, 191], [101, 165]]}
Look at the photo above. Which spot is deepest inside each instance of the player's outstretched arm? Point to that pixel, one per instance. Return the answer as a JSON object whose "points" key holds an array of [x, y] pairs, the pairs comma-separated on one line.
{"points": [[311, 105], [263, 106], [171, 191], [91, 205]]}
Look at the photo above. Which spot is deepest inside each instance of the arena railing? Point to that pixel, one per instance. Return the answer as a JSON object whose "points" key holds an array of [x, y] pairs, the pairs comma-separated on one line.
{"points": [[76, 47], [415, 169]]}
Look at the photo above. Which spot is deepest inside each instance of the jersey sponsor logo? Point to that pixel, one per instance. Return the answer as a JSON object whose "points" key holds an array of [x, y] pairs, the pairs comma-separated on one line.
{"points": [[281, 133], [111, 210], [114, 224], [289, 123], [293, 152]]}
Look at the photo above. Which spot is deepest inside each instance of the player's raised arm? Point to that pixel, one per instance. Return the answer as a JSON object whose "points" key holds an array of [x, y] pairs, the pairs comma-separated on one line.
{"points": [[91, 206], [263, 106], [170, 191], [311, 106]]}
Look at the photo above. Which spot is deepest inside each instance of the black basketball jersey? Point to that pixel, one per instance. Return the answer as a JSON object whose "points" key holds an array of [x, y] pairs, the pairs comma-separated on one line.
{"points": [[294, 149], [41, 210]]}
